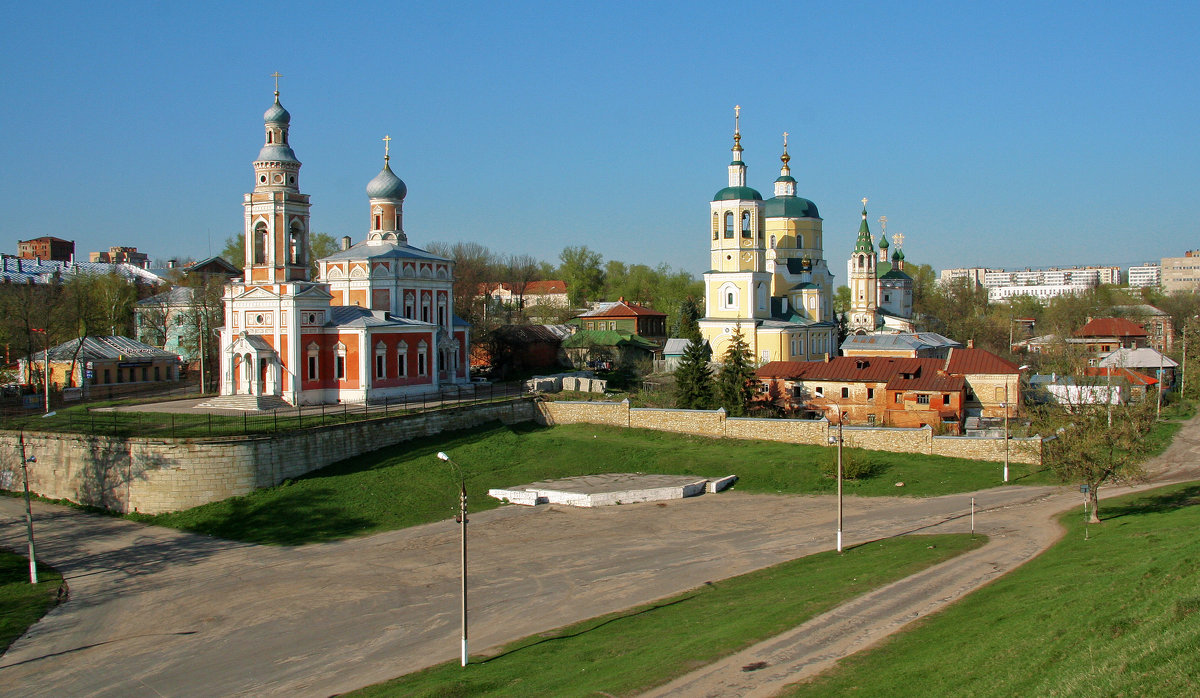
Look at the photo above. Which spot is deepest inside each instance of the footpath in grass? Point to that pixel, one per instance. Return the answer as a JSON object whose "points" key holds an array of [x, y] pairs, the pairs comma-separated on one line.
{"points": [[647, 646], [22, 603], [1115, 615], [406, 485]]}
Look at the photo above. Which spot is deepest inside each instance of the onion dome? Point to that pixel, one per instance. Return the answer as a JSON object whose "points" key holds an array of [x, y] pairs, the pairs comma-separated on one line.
{"points": [[737, 194], [386, 185], [883, 243], [864, 244], [276, 114]]}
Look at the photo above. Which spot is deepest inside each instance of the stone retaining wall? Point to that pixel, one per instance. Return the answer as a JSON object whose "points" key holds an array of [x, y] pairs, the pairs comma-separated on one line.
{"points": [[159, 475], [714, 423]]}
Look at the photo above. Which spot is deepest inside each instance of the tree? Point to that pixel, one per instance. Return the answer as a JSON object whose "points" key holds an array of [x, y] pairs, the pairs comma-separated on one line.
{"points": [[320, 245], [688, 325], [234, 251], [1099, 444], [581, 272], [841, 300], [735, 383], [200, 322], [475, 272], [693, 377]]}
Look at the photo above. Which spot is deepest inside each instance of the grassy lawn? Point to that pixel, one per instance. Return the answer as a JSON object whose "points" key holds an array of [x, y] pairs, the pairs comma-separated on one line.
{"points": [[22, 603], [1115, 615], [406, 485], [646, 646]]}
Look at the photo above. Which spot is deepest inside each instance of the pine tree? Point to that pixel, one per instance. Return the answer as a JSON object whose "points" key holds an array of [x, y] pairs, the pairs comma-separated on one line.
{"points": [[693, 377], [735, 384], [689, 316]]}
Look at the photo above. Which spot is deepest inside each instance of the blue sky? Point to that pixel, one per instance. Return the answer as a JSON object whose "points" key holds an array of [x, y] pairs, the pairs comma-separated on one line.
{"points": [[1006, 134]]}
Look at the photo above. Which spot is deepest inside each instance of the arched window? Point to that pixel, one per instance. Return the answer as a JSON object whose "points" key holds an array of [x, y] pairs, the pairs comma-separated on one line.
{"points": [[380, 360], [270, 138], [296, 244], [442, 312], [422, 359], [728, 224], [260, 244], [402, 359], [746, 224], [313, 364], [424, 307], [772, 242], [410, 306], [339, 362], [378, 222], [716, 226]]}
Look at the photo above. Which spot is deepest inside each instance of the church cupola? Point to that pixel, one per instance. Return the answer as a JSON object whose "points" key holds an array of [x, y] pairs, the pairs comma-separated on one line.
{"points": [[386, 192], [276, 166], [864, 243], [785, 185]]}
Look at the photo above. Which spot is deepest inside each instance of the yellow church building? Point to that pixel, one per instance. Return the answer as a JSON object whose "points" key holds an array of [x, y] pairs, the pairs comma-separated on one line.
{"points": [[768, 277]]}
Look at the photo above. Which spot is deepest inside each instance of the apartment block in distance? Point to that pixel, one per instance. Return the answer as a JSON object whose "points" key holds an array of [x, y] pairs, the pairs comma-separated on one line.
{"points": [[1181, 273], [47, 247], [1145, 275]]}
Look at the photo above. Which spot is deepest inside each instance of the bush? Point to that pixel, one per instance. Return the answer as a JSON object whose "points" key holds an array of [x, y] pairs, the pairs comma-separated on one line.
{"points": [[857, 464]]}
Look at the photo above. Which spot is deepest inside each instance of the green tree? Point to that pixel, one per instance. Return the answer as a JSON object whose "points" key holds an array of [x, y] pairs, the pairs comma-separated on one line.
{"points": [[693, 377], [320, 245], [688, 325], [735, 383], [580, 270], [234, 251], [1098, 444], [841, 300]]}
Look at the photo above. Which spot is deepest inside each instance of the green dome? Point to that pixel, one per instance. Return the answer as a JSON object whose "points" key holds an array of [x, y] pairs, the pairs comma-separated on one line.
{"points": [[737, 194], [789, 207]]}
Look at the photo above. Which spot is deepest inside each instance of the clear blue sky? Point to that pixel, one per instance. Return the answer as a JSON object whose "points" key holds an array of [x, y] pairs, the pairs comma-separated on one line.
{"points": [[1005, 135]]}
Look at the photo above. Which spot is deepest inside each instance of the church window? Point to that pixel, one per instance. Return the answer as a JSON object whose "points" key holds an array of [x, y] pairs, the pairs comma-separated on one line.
{"points": [[339, 362], [772, 242], [262, 178], [762, 297], [424, 308], [402, 360], [409, 303], [378, 222], [729, 300], [283, 134], [291, 180], [422, 358], [442, 312], [380, 361], [728, 224], [270, 138], [260, 243], [745, 224], [296, 245], [887, 297]]}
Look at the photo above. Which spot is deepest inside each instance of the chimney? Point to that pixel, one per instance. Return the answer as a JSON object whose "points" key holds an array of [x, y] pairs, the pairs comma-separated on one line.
{"points": [[826, 357], [345, 242], [970, 343]]}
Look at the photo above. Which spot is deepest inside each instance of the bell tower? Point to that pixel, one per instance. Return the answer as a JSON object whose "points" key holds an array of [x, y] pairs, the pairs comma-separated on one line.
{"points": [[737, 223], [864, 287], [276, 213]]}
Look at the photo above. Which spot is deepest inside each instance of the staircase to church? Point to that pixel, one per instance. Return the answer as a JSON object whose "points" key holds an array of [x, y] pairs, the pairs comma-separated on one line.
{"points": [[248, 403]]}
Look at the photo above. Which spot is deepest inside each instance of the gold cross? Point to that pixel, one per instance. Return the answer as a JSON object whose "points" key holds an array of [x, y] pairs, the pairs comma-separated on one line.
{"points": [[387, 141], [898, 239], [864, 202], [737, 115], [882, 224], [276, 75], [785, 135]]}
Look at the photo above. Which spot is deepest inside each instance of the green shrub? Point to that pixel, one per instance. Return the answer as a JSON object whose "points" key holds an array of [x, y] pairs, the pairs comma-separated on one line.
{"points": [[857, 464]]}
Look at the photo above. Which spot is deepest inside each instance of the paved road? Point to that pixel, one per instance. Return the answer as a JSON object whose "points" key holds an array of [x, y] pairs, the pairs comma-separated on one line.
{"points": [[157, 612]]}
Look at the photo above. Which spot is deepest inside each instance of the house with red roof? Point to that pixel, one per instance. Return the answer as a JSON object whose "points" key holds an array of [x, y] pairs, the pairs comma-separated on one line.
{"points": [[1107, 334], [897, 391], [623, 316]]}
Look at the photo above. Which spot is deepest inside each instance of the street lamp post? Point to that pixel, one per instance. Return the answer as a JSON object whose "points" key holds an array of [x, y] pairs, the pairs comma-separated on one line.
{"points": [[33, 578], [1006, 430], [461, 519], [838, 439]]}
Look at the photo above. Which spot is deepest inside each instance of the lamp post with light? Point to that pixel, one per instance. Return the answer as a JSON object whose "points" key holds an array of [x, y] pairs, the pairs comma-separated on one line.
{"points": [[461, 519], [45, 362]]}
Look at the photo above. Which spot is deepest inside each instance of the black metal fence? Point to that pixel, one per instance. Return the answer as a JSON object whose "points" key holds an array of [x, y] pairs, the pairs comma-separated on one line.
{"points": [[164, 421]]}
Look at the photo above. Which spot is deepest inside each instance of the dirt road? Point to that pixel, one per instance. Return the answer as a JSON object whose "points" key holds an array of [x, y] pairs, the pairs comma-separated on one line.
{"points": [[158, 612]]}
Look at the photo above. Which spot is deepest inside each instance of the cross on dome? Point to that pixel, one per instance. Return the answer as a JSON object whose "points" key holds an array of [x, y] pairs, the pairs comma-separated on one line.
{"points": [[898, 239], [276, 75], [883, 224], [387, 142]]}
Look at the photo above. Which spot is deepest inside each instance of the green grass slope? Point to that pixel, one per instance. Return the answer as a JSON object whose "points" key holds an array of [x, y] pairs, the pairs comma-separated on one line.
{"points": [[22, 603], [646, 646], [1116, 615], [398, 486]]}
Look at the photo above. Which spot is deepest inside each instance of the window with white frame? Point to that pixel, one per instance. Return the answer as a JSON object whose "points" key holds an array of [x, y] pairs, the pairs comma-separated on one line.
{"points": [[402, 359], [339, 362], [313, 363], [422, 358], [729, 296], [381, 360], [409, 306], [424, 307]]}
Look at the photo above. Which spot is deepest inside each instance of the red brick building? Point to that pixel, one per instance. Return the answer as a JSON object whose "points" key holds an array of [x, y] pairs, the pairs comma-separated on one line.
{"points": [[47, 247]]}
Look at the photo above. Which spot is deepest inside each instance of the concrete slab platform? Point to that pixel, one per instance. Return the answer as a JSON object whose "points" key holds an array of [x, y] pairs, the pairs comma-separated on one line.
{"points": [[608, 489]]}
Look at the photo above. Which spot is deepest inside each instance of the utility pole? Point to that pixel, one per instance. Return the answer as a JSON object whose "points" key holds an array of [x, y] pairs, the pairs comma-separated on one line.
{"points": [[1006, 430], [45, 363], [461, 519]]}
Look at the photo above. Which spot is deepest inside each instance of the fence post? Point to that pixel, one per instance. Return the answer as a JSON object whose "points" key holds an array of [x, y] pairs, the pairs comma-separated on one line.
{"points": [[299, 416], [275, 417], [210, 423], [172, 425], [245, 423]]}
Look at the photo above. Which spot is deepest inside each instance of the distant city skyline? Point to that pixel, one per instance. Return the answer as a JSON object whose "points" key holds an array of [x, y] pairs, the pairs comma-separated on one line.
{"points": [[1006, 136]]}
